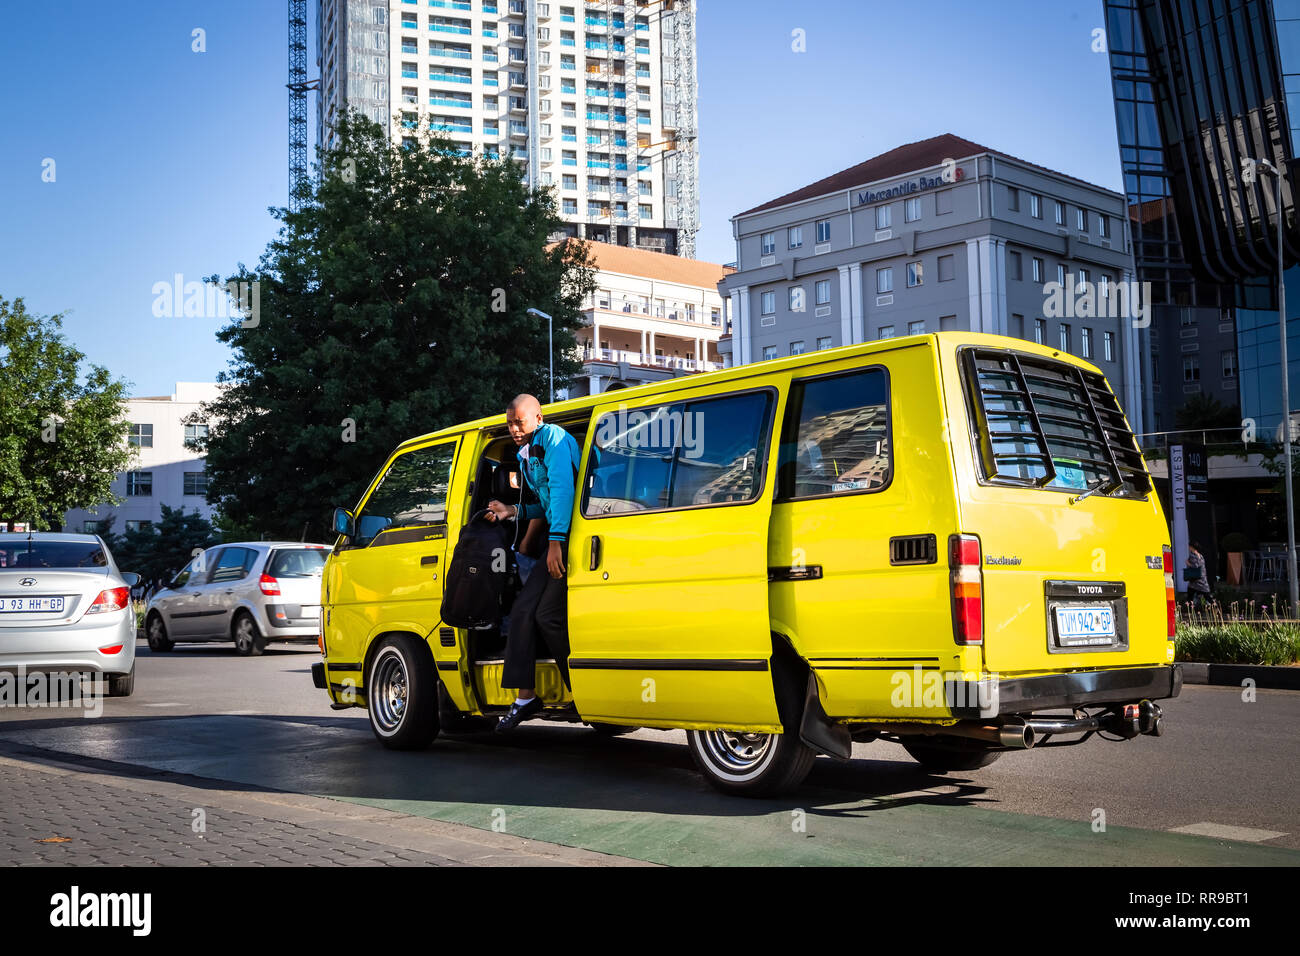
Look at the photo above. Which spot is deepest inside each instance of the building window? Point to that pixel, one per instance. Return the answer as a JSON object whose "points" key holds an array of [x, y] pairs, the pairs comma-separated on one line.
{"points": [[1038, 269], [196, 433], [1229, 360], [823, 230], [795, 298], [1103, 226], [1036, 205], [1085, 341], [768, 304], [884, 280], [1065, 337], [1191, 368], [886, 332], [1040, 330], [796, 348], [945, 268], [916, 328], [139, 483], [1081, 282], [1060, 213], [1103, 286], [912, 209], [884, 217], [1060, 275], [139, 525], [769, 243], [1013, 199], [914, 275], [141, 435], [769, 352], [1081, 219], [795, 236], [1017, 268], [1108, 348], [196, 483], [822, 291], [90, 527], [823, 342]]}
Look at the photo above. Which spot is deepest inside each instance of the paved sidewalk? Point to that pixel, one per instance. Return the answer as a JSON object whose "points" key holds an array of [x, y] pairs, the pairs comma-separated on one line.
{"points": [[67, 814]]}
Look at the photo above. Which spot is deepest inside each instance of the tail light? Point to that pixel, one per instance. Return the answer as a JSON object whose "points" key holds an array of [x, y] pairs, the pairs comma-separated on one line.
{"points": [[111, 649], [1167, 554], [967, 581], [269, 585], [112, 599]]}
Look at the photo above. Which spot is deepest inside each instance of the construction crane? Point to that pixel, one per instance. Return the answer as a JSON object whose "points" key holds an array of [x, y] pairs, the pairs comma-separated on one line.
{"points": [[298, 85]]}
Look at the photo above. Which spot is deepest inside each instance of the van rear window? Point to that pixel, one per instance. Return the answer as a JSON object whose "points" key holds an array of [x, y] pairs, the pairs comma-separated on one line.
{"points": [[1048, 424]]}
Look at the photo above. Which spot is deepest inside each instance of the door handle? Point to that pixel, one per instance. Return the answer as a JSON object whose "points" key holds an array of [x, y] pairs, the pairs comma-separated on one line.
{"points": [[230, 590], [594, 563], [428, 559]]}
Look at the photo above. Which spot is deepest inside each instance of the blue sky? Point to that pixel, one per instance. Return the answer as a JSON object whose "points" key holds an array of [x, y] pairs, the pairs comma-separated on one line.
{"points": [[166, 160]]}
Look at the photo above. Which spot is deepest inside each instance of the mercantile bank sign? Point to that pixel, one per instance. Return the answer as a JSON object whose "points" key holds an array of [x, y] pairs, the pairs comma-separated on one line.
{"points": [[951, 173]]}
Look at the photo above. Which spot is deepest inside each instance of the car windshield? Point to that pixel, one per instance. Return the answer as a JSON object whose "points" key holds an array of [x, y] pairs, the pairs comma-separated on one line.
{"points": [[52, 554], [297, 563]]}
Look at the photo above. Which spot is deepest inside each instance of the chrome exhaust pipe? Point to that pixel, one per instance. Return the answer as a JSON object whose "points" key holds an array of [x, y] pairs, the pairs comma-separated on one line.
{"points": [[1015, 732]]}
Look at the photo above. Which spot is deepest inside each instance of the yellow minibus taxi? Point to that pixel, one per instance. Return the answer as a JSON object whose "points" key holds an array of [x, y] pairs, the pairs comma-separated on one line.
{"points": [[947, 541]]}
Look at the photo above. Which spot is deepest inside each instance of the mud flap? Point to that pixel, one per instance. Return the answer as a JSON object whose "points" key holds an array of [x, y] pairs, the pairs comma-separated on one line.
{"points": [[818, 731]]}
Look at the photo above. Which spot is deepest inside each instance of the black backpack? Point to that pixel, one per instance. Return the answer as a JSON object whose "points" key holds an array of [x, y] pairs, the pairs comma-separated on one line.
{"points": [[482, 578]]}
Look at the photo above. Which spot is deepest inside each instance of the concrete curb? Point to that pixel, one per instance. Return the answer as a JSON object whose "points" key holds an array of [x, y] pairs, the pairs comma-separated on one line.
{"points": [[1231, 675]]}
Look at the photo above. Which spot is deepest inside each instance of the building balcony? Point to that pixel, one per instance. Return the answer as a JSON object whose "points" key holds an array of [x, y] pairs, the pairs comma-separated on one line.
{"points": [[451, 52], [448, 28], [649, 361], [514, 9]]}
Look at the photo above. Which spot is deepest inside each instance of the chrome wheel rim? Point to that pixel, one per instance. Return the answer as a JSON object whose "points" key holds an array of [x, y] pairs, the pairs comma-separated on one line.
{"points": [[155, 632], [388, 692], [244, 633], [734, 753]]}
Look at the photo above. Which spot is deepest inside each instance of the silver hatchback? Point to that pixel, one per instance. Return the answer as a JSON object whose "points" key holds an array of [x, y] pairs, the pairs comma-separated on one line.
{"points": [[249, 592], [65, 607]]}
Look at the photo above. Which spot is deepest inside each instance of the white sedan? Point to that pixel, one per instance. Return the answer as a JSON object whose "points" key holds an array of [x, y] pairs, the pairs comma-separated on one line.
{"points": [[65, 607]]}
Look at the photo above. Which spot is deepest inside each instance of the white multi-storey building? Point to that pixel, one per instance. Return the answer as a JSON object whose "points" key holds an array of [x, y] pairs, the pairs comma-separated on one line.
{"points": [[595, 98], [651, 317], [165, 471]]}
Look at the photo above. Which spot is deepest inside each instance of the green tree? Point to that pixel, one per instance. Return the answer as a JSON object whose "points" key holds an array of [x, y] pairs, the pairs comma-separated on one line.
{"points": [[62, 439], [391, 305], [158, 551]]}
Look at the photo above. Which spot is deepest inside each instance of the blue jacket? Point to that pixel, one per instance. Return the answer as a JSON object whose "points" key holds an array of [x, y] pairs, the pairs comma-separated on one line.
{"points": [[548, 462]]}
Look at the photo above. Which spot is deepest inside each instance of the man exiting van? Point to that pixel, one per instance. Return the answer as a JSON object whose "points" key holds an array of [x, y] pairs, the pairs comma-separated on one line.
{"points": [[548, 465]]}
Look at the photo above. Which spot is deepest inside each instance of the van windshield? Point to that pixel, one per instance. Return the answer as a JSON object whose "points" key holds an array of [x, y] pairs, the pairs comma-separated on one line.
{"points": [[1048, 424]]}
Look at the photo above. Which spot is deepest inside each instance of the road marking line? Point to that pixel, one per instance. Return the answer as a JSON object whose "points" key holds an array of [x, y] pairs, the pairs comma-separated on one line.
{"points": [[1224, 832]]}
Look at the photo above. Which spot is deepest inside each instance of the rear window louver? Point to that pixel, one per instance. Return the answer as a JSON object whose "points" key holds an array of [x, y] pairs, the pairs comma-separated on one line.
{"points": [[1049, 424]]}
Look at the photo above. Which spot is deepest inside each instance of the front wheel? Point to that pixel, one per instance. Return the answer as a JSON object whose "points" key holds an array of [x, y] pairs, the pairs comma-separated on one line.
{"points": [[750, 765], [402, 694]]}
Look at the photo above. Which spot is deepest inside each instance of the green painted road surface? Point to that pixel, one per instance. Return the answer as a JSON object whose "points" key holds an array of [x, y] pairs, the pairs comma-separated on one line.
{"points": [[640, 796]]}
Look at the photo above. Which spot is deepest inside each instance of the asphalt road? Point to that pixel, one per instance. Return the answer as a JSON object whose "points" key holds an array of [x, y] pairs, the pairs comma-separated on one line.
{"points": [[1219, 788]]}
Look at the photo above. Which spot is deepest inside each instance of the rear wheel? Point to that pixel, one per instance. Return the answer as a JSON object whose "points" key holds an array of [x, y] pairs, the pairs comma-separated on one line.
{"points": [[940, 759], [121, 685], [249, 641], [612, 730], [750, 765], [402, 694], [155, 632]]}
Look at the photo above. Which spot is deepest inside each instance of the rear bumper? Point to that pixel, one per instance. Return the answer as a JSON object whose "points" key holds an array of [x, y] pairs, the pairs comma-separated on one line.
{"points": [[1025, 695]]}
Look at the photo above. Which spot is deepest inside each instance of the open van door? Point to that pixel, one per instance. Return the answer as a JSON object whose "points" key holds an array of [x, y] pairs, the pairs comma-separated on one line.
{"points": [[668, 616]]}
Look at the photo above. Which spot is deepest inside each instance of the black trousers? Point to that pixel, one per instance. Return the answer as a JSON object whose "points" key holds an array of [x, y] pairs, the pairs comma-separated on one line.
{"points": [[539, 620]]}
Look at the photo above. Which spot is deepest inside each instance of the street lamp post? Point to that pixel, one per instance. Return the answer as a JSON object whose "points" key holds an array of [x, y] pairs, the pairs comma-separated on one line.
{"points": [[1292, 581], [550, 348]]}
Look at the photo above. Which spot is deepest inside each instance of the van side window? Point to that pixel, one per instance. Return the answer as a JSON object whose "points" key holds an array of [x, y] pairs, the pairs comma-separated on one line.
{"points": [[836, 436], [233, 564], [683, 455], [413, 491]]}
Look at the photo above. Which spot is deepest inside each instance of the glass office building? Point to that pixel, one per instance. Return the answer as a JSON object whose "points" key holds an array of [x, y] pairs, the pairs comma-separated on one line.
{"points": [[1201, 88]]}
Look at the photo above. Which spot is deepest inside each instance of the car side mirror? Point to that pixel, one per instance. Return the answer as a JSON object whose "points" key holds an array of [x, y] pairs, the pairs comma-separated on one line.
{"points": [[131, 578], [344, 523]]}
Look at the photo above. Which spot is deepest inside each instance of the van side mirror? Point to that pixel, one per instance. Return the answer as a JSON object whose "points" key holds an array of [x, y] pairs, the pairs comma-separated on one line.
{"points": [[344, 523]]}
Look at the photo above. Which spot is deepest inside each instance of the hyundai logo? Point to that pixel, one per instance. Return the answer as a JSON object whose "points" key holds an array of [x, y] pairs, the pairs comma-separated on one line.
{"points": [[27, 582]]}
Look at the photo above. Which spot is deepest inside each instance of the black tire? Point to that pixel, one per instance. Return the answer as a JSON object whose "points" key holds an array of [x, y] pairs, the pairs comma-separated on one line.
{"points": [[402, 694], [611, 730], [956, 758], [121, 685], [750, 765], [155, 632], [249, 641]]}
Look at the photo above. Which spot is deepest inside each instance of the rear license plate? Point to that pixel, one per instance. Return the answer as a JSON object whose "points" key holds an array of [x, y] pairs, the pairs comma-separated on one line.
{"points": [[1086, 626], [27, 605]]}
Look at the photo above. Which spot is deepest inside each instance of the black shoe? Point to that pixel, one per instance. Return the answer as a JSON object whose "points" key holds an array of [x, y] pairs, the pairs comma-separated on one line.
{"points": [[519, 712]]}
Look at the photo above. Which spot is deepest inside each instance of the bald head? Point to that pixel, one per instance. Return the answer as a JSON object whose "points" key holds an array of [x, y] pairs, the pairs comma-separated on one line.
{"points": [[523, 417]]}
